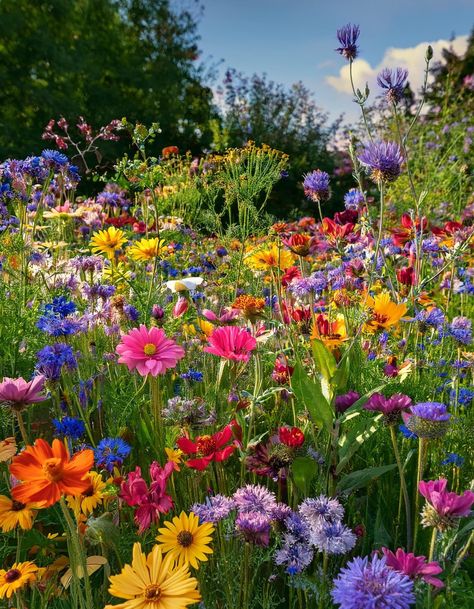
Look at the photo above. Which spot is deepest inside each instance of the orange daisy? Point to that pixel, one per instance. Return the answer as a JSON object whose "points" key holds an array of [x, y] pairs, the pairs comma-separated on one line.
{"points": [[48, 472]]}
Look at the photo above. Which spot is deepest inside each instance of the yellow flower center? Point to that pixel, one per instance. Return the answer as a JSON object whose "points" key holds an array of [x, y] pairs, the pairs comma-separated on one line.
{"points": [[12, 575], [153, 593], [206, 445], [53, 469], [184, 538], [149, 349]]}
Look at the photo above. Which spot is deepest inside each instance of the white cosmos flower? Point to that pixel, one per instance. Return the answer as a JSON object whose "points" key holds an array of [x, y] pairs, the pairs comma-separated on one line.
{"points": [[187, 283]]}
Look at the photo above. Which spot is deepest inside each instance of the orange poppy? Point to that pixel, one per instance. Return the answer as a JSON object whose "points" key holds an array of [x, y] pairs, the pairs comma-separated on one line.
{"points": [[48, 472]]}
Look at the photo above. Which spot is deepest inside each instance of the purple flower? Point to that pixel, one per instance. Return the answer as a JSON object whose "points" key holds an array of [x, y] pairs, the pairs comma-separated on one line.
{"points": [[353, 199], [394, 82], [254, 527], [321, 510], [295, 555], [215, 509], [333, 538], [365, 584], [461, 330], [345, 401], [316, 186], [389, 407], [255, 498], [427, 419], [347, 37], [383, 160], [431, 411]]}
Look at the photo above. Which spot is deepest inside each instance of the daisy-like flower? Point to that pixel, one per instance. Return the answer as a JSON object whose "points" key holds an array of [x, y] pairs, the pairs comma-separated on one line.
{"points": [[16, 514], [17, 577], [18, 393], [152, 582], [383, 161], [232, 343], [331, 332], [384, 313], [147, 249], [149, 351], [48, 472], [270, 258], [89, 499], [185, 540], [108, 241]]}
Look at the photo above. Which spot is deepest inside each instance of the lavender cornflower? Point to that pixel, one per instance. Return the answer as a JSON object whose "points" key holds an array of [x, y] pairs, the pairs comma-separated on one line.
{"points": [[433, 317], [333, 538], [295, 555], [87, 263], [353, 199], [461, 330], [255, 498], [52, 358], [316, 186], [364, 584], [321, 510], [347, 37], [383, 160], [215, 509], [394, 82], [254, 527], [428, 419], [184, 412]]}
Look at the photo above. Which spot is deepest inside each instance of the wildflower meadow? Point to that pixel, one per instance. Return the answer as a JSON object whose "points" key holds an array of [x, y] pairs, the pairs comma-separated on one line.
{"points": [[204, 405]]}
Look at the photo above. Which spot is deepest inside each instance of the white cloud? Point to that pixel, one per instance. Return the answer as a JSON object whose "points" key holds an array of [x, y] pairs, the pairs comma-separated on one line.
{"points": [[411, 58]]}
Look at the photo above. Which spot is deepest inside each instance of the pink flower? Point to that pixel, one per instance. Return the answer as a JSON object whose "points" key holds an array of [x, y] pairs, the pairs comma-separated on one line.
{"points": [[180, 307], [232, 343], [225, 316], [18, 393], [152, 501], [413, 566], [444, 502], [149, 351]]}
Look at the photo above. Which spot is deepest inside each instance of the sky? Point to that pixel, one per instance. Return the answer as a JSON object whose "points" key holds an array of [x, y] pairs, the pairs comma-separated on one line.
{"points": [[292, 40]]}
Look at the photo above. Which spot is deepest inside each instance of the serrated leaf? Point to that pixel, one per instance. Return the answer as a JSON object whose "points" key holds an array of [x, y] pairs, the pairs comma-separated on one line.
{"points": [[362, 477]]}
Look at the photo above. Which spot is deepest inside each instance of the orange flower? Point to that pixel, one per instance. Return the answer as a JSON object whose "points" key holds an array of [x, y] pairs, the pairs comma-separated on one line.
{"points": [[384, 313], [250, 306], [331, 332], [48, 472]]}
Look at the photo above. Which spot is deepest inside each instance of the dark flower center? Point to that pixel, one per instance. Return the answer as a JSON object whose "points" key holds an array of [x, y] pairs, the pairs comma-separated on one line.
{"points": [[185, 539], [152, 593], [88, 492], [12, 575], [17, 506]]}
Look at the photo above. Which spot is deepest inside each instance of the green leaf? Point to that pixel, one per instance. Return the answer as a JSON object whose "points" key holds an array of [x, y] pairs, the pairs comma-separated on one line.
{"points": [[341, 376], [362, 477], [310, 395], [303, 470], [350, 443], [356, 408], [324, 359]]}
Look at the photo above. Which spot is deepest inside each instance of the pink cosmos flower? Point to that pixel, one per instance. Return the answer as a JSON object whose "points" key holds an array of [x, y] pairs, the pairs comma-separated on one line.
{"points": [[232, 343], [444, 502], [413, 566], [18, 393], [149, 501], [225, 316], [149, 351]]}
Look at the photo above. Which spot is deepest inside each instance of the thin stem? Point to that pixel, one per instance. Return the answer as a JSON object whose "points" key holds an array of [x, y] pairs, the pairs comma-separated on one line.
{"points": [[422, 444], [403, 485], [21, 425], [359, 103]]}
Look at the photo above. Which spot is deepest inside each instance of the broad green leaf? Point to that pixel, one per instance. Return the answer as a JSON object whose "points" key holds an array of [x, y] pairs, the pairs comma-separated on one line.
{"points": [[303, 470], [350, 443], [310, 395], [341, 376], [324, 359], [362, 477]]}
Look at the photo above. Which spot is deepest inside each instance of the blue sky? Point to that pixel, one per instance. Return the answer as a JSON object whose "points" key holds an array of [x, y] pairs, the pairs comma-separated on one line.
{"points": [[294, 40]]}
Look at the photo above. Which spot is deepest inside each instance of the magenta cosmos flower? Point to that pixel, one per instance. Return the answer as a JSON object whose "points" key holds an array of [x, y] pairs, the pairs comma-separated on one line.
{"points": [[443, 508], [149, 351], [231, 342], [18, 393], [413, 566]]}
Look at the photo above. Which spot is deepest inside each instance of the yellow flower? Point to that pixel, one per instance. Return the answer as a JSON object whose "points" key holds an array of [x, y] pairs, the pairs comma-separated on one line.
{"points": [[186, 540], [384, 313], [90, 498], [331, 332], [17, 577], [7, 449], [270, 258], [152, 582], [14, 513], [175, 456], [108, 241], [147, 249], [205, 326]]}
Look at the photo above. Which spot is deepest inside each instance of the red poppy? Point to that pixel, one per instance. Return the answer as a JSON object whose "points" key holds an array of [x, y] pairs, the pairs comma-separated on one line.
{"points": [[211, 448], [406, 232], [335, 231], [291, 436]]}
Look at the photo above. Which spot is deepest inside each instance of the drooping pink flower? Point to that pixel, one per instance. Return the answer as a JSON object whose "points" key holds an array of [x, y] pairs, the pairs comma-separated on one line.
{"points": [[18, 393], [226, 315], [232, 343], [413, 566], [444, 502], [150, 502], [149, 351]]}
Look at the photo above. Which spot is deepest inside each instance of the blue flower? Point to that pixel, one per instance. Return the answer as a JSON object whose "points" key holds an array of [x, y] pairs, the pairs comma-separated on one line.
{"points": [[192, 375], [453, 459], [69, 427], [461, 330], [54, 158], [131, 312], [60, 307], [353, 199], [111, 452], [316, 186], [394, 82], [52, 358], [347, 37], [383, 160], [409, 435]]}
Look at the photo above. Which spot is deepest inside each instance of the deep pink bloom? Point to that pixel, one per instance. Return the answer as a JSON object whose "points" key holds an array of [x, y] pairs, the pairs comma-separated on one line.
{"points": [[413, 566], [19, 393], [225, 316], [149, 351], [444, 502], [387, 406], [231, 342], [211, 448], [150, 502], [180, 307]]}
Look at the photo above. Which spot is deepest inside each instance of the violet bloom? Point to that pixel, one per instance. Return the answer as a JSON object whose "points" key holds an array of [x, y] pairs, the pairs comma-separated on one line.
{"points": [[345, 401], [18, 393], [320, 511], [427, 419], [383, 160], [333, 538], [254, 528], [347, 37], [413, 566], [316, 186], [394, 82], [443, 508], [389, 407], [215, 509], [255, 498]]}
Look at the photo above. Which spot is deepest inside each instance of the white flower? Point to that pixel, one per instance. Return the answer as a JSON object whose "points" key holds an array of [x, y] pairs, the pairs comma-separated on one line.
{"points": [[187, 283]]}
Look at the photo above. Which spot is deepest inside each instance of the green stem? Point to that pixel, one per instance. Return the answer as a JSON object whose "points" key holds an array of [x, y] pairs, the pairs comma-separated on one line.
{"points": [[422, 444], [403, 485]]}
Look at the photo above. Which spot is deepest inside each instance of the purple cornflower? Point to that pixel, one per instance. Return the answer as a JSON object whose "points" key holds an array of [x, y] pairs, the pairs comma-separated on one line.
{"points": [[383, 160], [297, 527], [254, 527], [87, 263], [394, 82], [255, 498], [431, 411], [365, 584], [461, 330], [316, 186], [52, 358], [321, 510], [295, 555], [70, 427], [345, 401], [433, 317], [427, 419], [215, 509], [390, 407], [353, 199], [333, 538], [347, 37]]}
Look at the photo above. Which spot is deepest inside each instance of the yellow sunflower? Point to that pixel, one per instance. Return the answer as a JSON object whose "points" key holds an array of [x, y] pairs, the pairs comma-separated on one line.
{"points": [[384, 313], [152, 582], [90, 498], [14, 513], [185, 540], [18, 576], [147, 249], [270, 258], [108, 241]]}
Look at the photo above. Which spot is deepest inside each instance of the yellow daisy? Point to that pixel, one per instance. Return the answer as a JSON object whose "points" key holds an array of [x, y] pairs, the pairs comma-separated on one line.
{"points": [[384, 313], [147, 249], [185, 540], [108, 241], [14, 513], [17, 577], [175, 456], [152, 582], [270, 258], [90, 498]]}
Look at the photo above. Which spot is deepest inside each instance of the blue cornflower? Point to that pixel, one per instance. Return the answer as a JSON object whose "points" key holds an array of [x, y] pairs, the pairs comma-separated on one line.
{"points": [[54, 158], [111, 452], [353, 199], [192, 375], [60, 307], [347, 37], [433, 317], [215, 509], [394, 82], [333, 538], [69, 427], [464, 396], [461, 330], [383, 160], [316, 186], [453, 459], [131, 312], [295, 555], [52, 358]]}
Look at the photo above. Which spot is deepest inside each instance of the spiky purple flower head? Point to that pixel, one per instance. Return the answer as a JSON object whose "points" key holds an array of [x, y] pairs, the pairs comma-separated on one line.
{"points": [[316, 186], [347, 37], [215, 509], [321, 510], [254, 527], [383, 160], [428, 419], [333, 538], [255, 498], [393, 82]]}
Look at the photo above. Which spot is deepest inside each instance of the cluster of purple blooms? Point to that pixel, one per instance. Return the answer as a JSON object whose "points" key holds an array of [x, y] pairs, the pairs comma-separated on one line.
{"points": [[56, 319], [52, 358], [193, 411]]}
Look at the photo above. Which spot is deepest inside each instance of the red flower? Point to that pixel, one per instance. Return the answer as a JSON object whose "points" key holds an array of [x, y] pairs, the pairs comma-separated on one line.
{"points": [[169, 151], [406, 275], [291, 436], [298, 244], [210, 448], [336, 232], [408, 229], [292, 272]]}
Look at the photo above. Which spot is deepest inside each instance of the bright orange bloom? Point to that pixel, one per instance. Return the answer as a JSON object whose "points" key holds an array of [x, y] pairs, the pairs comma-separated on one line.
{"points": [[331, 333], [48, 472], [384, 313]]}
